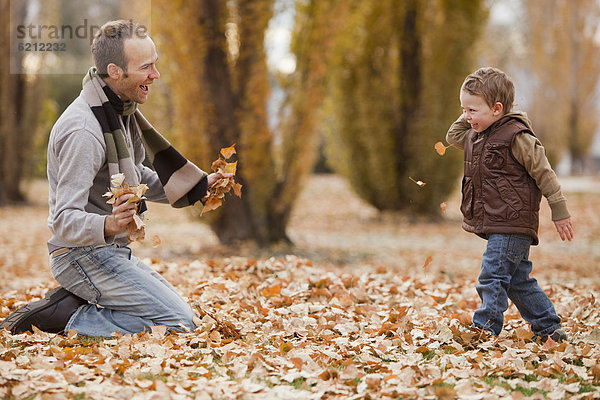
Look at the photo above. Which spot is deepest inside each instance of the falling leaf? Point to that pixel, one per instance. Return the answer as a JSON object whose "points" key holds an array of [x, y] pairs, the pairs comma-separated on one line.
{"points": [[443, 207], [440, 148], [420, 183], [227, 152], [155, 241], [427, 261], [237, 189]]}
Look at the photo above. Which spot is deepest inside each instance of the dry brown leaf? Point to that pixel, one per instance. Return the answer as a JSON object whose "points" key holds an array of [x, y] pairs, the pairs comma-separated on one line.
{"points": [[216, 193], [118, 188]]}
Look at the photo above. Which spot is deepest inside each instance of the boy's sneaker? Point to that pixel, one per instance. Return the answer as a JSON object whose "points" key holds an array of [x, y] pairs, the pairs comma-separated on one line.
{"points": [[558, 336]]}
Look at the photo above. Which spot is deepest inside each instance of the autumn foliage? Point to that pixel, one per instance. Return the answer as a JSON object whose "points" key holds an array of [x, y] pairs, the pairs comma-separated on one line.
{"points": [[393, 90], [216, 193], [286, 328], [379, 309]]}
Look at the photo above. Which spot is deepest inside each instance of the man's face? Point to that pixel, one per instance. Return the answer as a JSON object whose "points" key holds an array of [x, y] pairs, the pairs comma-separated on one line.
{"points": [[477, 112], [141, 57]]}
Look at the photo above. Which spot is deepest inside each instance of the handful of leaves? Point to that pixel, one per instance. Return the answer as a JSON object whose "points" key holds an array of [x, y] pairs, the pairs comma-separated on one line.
{"points": [[118, 188], [216, 193]]}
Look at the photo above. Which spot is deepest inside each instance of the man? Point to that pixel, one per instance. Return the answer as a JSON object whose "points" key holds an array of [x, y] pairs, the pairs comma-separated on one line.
{"points": [[104, 288]]}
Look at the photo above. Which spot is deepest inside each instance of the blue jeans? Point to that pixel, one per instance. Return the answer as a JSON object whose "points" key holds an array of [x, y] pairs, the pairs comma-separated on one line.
{"points": [[124, 293], [505, 270]]}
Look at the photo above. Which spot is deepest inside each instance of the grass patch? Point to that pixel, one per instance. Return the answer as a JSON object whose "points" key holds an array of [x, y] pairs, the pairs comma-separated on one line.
{"points": [[152, 377], [531, 378], [528, 391], [586, 388], [89, 340], [298, 382], [494, 380]]}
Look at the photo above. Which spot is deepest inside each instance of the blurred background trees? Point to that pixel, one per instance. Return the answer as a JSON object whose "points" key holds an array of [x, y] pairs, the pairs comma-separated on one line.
{"points": [[219, 87], [369, 87], [565, 61], [394, 81], [15, 127]]}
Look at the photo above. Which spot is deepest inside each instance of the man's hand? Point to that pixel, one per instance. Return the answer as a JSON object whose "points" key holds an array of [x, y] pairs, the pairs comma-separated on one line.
{"points": [[122, 215], [564, 227], [215, 176]]}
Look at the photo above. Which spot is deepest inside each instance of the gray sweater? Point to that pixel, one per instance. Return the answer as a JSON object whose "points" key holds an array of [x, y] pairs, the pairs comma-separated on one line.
{"points": [[78, 177]]}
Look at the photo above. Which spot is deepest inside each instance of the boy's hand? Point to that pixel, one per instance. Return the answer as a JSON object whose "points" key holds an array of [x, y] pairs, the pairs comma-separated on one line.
{"points": [[564, 227]]}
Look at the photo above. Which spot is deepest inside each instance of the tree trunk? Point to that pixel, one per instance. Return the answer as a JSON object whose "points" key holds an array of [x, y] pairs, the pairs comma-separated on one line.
{"points": [[13, 138]]}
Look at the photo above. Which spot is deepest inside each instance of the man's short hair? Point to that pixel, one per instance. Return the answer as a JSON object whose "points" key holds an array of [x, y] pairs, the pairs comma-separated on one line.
{"points": [[107, 46], [493, 85]]}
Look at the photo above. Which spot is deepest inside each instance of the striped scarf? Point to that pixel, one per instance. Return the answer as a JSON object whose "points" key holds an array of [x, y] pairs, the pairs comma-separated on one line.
{"points": [[183, 182]]}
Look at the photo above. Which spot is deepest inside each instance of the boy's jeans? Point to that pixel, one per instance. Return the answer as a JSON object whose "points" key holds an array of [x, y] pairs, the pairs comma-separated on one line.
{"points": [[125, 294], [505, 270]]}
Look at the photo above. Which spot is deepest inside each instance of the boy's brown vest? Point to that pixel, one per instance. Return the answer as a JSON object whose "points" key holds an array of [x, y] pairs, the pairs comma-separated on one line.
{"points": [[498, 195]]}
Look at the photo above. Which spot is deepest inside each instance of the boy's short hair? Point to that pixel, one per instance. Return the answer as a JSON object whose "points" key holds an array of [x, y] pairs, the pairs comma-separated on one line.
{"points": [[493, 85], [107, 46]]}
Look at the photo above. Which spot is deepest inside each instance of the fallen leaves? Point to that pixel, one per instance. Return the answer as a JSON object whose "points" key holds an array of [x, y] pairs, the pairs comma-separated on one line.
{"points": [[216, 193], [395, 336], [386, 326], [119, 188]]}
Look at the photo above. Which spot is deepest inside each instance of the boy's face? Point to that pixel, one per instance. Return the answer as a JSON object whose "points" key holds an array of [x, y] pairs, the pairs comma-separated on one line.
{"points": [[477, 112]]}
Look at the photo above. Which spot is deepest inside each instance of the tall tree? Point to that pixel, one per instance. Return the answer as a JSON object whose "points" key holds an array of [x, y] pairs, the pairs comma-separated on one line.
{"points": [[17, 117], [565, 61], [218, 80], [396, 74]]}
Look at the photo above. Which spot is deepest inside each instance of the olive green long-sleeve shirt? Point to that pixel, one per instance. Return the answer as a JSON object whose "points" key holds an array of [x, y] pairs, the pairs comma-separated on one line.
{"points": [[529, 152]]}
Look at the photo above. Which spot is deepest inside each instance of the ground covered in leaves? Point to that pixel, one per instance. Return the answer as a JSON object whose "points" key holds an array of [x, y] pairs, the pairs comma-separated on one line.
{"points": [[370, 305]]}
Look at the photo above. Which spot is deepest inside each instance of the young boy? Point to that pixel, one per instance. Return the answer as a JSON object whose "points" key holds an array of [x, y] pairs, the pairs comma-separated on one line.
{"points": [[506, 174]]}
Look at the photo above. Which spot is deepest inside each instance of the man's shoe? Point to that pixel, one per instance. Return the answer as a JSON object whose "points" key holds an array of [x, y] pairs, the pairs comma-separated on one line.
{"points": [[51, 314]]}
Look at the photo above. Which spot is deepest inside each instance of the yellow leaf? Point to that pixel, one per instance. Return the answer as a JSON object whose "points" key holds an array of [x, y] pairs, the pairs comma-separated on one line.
{"points": [[440, 148], [230, 168], [285, 347], [228, 151]]}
